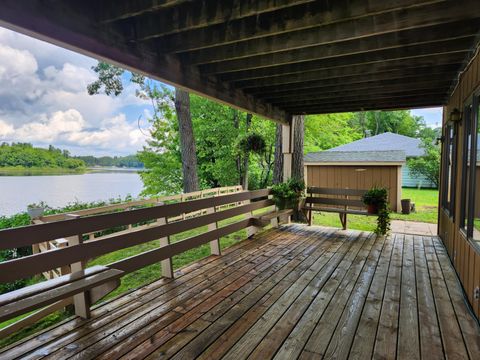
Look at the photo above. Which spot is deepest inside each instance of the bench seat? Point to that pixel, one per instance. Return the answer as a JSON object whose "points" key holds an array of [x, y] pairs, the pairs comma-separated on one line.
{"points": [[265, 219], [338, 210], [38, 295]]}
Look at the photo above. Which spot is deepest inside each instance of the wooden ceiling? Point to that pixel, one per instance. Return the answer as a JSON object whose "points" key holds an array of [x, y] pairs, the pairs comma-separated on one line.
{"points": [[274, 58]]}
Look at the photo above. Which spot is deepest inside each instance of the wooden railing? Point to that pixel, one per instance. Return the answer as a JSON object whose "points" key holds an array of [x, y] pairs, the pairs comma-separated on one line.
{"points": [[125, 206], [87, 286]]}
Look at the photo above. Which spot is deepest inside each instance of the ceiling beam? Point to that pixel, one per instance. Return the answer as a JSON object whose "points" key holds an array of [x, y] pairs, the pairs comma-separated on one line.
{"points": [[322, 23], [233, 58], [365, 97], [413, 73], [354, 70], [350, 47], [432, 49], [198, 14], [404, 104], [118, 10], [345, 88], [62, 24]]}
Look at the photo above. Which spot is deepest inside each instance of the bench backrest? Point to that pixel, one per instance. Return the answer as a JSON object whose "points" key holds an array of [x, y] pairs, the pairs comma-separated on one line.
{"points": [[335, 197]]}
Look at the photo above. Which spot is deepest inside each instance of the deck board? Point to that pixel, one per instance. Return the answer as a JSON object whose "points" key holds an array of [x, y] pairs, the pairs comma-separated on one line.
{"points": [[294, 292]]}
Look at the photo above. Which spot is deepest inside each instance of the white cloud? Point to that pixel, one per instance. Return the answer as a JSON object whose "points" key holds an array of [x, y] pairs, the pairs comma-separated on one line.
{"points": [[69, 128], [5, 129], [43, 100]]}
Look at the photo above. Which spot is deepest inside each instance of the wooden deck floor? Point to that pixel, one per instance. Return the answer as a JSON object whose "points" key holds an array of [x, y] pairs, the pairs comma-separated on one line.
{"points": [[297, 292]]}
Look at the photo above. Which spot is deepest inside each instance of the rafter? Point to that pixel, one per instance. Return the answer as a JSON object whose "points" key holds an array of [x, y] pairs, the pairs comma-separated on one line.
{"points": [[351, 47], [405, 53], [444, 71], [429, 61], [317, 25]]}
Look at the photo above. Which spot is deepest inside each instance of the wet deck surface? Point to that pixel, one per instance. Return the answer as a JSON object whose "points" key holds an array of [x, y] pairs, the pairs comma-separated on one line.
{"points": [[296, 292]]}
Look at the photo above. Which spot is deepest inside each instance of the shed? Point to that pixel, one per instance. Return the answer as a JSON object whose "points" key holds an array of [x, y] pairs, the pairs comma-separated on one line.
{"points": [[357, 170], [391, 141]]}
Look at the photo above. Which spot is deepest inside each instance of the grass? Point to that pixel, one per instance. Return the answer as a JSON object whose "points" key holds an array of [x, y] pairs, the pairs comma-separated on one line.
{"points": [[135, 279], [26, 171], [426, 203]]}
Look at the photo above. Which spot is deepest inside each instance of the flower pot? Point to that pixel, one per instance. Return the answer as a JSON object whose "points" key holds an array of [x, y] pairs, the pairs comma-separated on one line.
{"points": [[372, 209], [406, 206], [283, 203], [35, 212]]}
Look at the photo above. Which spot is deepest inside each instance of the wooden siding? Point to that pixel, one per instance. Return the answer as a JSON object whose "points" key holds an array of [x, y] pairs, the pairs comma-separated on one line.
{"points": [[464, 254], [294, 292], [358, 177]]}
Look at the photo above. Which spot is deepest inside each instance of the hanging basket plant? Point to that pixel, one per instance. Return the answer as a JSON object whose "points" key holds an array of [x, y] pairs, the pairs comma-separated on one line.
{"points": [[252, 143]]}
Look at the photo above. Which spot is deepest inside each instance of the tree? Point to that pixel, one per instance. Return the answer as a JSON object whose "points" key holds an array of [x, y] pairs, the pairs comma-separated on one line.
{"points": [[278, 157], [110, 82], [324, 132], [298, 135], [429, 164], [187, 141], [378, 122]]}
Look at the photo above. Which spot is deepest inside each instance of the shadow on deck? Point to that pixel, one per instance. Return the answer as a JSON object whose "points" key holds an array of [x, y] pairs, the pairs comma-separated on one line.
{"points": [[295, 292]]}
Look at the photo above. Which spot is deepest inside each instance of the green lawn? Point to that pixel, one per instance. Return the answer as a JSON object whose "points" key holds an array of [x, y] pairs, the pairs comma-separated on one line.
{"points": [[426, 203], [138, 278]]}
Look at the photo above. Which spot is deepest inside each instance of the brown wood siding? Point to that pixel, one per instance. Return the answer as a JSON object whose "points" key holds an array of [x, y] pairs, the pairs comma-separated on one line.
{"points": [[338, 176], [465, 254]]}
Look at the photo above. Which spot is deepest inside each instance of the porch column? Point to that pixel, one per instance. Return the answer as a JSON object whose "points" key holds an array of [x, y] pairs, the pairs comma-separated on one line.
{"points": [[287, 147]]}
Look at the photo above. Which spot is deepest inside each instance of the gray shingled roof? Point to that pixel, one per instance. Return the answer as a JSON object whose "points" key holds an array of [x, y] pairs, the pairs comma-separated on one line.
{"points": [[385, 141], [394, 156]]}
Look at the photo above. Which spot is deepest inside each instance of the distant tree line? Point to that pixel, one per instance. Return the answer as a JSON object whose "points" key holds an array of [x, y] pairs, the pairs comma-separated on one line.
{"points": [[26, 156], [129, 161]]}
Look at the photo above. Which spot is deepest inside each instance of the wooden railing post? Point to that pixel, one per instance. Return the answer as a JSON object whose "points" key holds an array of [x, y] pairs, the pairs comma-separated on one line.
{"points": [[214, 244], [81, 301], [166, 265]]}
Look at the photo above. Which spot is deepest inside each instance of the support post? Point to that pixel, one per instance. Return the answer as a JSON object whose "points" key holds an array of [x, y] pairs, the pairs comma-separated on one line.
{"points": [[214, 244], [81, 301], [287, 142], [166, 265]]}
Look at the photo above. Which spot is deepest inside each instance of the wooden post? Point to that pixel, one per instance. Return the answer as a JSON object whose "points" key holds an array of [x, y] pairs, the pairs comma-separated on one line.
{"points": [[81, 301], [214, 244], [287, 141], [166, 265]]}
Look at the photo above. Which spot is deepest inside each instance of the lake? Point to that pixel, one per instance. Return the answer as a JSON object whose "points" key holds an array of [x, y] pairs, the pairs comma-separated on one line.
{"points": [[16, 192]]}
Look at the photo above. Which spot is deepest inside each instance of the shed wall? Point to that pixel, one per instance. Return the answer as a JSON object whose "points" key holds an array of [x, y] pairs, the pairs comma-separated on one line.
{"points": [[358, 177]]}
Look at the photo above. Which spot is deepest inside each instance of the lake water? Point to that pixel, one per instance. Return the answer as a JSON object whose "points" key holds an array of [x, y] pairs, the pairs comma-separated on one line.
{"points": [[16, 192]]}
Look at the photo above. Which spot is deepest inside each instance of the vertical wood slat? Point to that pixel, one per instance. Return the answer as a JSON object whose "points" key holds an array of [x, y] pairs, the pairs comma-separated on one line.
{"points": [[165, 265], [81, 301]]}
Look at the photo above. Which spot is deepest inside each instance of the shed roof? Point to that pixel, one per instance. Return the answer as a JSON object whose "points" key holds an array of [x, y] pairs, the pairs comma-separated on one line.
{"points": [[386, 141], [275, 58], [391, 156]]}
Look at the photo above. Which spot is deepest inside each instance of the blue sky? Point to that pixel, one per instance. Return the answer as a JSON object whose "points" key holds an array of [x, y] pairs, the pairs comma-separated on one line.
{"points": [[43, 100]]}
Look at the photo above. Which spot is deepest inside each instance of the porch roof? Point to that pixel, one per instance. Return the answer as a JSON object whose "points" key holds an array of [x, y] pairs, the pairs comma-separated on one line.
{"points": [[270, 57]]}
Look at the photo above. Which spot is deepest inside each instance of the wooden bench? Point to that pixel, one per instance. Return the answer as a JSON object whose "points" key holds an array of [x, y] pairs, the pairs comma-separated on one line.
{"points": [[36, 296], [341, 201], [265, 219]]}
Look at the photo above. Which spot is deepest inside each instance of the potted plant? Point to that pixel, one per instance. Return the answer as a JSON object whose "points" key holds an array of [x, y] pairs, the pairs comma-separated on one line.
{"points": [[36, 210], [286, 195], [375, 199]]}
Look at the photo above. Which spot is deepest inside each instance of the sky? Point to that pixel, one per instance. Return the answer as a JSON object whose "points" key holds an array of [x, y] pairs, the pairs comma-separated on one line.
{"points": [[43, 100]]}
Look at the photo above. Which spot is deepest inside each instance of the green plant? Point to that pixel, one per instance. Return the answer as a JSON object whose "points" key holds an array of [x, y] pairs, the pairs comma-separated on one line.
{"points": [[40, 205], [378, 198], [287, 194], [375, 196], [252, 143], [383, 221]]}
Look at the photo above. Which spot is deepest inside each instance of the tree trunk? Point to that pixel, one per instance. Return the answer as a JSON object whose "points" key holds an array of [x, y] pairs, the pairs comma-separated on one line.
{"points": [[187, 141], [236, 125], [247, 155], [278, 166], [297, 159]]}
